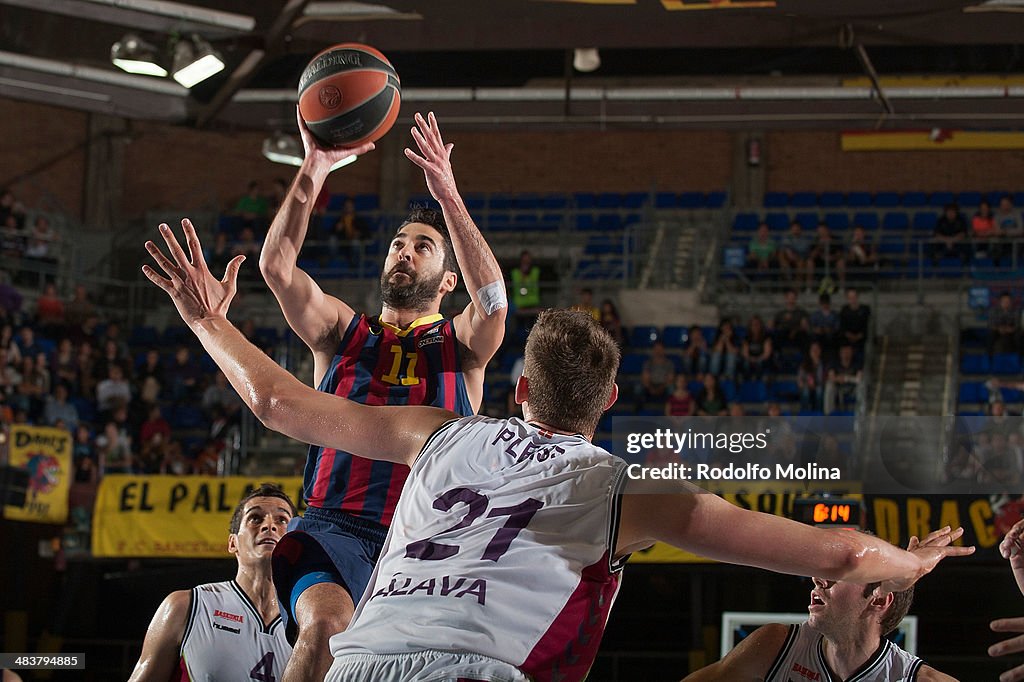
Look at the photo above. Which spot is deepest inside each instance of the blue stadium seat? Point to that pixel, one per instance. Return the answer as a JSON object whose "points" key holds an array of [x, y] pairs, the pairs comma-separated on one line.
{"points": [[858, 199], [1011, 395], [887, 199], [144, 335], [803, 200], [914, 199], [972, 392], [968, 198], [551, 222], [925, 221], [1006, 363], [527, 202], [777, 222], [831, 199], [810, 413], [643, 336], [668, 200], [608, 200], [717, 199], [675, 336], [728, 390], [632, 363], [940, 199], [753, 392], [634, 200], [186, 417], [710, 333], [975, 364], [499, 222], [475, 202], [336, 202], [745, 222], [554, 202], [1018, 200], [366, 202], [869, 221], [585, 221], [526, 222], [694, 386], [776, 200], [631, 219], [785, 390], [502, 202], [86, 409], [609, 222], [892, 245], [895, 221], [693, 200], [837, 221]]}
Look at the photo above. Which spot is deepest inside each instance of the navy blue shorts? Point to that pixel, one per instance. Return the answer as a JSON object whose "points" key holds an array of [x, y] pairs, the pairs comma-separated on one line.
{"points": [[324, 540]]}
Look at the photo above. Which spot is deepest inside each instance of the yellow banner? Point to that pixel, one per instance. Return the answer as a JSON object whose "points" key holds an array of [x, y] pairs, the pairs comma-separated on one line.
{"points": [[46, 453], [937, 139], [172, 516], [757, 498]]}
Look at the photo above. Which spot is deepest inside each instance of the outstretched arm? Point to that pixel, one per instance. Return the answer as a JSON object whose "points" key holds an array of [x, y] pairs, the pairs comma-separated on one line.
{"points": [[481, 326], [1012, 548], [693, 519], [316, 317], [749, 660], [278, 399], [160, 649]]}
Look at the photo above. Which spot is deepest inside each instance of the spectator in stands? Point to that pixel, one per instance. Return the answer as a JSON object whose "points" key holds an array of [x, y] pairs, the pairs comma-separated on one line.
{"points": [[843, 384], [711, 402], [860, 255], [810, 379], [11, 208], [611, 322], [696, 354], [791, 324], [110, 357], [824, 324], [1009, 226], [32, 389], [963, 465], [114, 390], [526, 289], [41, 244], [50, 311], [252, 208], [220, 254], [794, 256], [10, 299], [184, 376], [346, 234], [219, 394], [278, 190], [155, 425], [8, 344], [658, 375], [826, 253], [585, 304], [725, 353], [84, 456], [250, 248], [12, 239], [854, 321], [1004, 321], [761, 251], [9, 376], [150, 377], [950, 237], [984, 232], [174, 461], [80, 308], [114, 451], [1001, 463], [58, 407], [86, 362], [124, 353], [757, 350], [680, 403], [26, 342], [208, 459]]}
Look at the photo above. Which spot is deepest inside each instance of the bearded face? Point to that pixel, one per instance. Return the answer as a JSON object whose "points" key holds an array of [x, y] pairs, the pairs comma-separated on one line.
{"points": [[402, 288]]}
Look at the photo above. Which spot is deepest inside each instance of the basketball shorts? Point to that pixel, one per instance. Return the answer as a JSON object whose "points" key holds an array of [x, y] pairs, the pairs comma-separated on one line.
{"points": [[422, 666], [327, 542]]}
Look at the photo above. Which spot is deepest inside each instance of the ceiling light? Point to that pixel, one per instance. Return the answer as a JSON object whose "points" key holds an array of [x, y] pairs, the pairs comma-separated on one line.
{"points": [[195, 61], [586, 59], [134, 55], [287, 149]]}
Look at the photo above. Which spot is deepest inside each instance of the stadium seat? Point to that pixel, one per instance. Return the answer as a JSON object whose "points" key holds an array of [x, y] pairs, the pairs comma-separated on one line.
{"points": [[526, 222], [887, 199], [914, 199], [728, 390], [803, 200], [1006, 363], [777, 222], [869, 221], [831, 199], [675, 336], [1011, 395], [807, 220], [753, 392], [975, 364], [940, 199], [475, 202], [837, 221], [858, 199], [585, 222], [499, 222], [554, 202], [643, 336], [336, 202], [745, 222], [186, 417], [968, 198], [632, 363], [776, 200], [972, 392], [785, 390], [609, 222], [895, 221], [925, 221], [527, 202], [717, 199], [693, 200], [710, 333], [502, 202], [366, 202], [144, 335], [669, 200], [634, 200], [609, 200]]}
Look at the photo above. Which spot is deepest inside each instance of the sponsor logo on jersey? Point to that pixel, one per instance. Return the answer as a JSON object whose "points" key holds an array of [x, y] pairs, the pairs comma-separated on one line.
{"points": [[428, 340], [218, 626], [230, 616], [805, 672], [443, 586]]}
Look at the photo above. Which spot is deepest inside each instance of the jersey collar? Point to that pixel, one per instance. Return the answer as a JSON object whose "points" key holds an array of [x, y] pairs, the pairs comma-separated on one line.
{"points": [[419, 321]]}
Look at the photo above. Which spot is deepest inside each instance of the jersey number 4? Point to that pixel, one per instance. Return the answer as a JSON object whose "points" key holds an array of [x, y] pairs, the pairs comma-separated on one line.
{"points": [[518, 517], [264, 670]]}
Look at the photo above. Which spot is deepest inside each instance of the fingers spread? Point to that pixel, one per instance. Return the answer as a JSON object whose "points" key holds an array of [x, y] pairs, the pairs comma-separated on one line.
{"points": [[231, 272], [174, 247], [156, 279], [195, 249], [417, 159], [1008, 624], [161, 260], [1008, 646]]}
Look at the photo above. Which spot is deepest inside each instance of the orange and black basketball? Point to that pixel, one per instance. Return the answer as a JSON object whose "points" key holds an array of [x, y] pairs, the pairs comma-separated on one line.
{"points": [[349, 94]]}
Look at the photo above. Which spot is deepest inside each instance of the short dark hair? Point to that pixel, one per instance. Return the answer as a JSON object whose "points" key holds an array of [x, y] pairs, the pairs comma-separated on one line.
{"points": [[435, 219], [901, 602], [570, 365], [264, 490]]}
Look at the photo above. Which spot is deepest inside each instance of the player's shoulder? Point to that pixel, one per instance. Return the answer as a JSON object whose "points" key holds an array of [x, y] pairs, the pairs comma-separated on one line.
{"points": [[178, 602], [929, 674]]}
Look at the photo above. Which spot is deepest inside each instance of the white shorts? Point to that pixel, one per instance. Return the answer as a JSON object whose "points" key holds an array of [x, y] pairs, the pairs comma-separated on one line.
{"points": [[422, 666]]}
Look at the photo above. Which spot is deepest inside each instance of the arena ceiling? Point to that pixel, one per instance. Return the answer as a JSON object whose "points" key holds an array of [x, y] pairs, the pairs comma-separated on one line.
{"points": [[698, 63]]}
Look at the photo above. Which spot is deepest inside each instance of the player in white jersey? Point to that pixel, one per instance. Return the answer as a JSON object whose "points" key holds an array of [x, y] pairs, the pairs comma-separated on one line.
{"points": [[229, 631], [528, 514], [842, 640], [1012, 548]]}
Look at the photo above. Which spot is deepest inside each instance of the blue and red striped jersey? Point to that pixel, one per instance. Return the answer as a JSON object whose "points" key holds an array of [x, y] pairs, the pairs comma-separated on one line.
{"points": [[380, 364]]}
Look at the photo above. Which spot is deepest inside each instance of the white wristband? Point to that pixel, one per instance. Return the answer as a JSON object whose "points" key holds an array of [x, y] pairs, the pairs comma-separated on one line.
{"points": [[492, 296]]}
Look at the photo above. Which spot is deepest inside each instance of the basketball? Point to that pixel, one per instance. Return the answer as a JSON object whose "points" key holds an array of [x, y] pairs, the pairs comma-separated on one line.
{"points": [[349, 94]]}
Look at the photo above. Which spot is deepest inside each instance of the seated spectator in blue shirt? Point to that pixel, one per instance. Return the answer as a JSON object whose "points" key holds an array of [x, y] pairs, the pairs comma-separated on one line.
{"points": [[58, 408], [825, 324], [794, 255]]}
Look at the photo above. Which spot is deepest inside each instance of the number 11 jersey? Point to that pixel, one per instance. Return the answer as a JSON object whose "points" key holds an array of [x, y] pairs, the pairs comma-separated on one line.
{"points": [[501, 545]]}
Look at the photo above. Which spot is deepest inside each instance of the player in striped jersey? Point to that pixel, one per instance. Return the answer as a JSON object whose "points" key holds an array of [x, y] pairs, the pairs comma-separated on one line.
{"points": [[842, 640], [509, 573], [407, 355], [228, 631]]}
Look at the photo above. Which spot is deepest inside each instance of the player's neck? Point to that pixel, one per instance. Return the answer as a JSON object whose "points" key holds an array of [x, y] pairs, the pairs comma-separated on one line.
{"points": [[258, 584], [554, 429], [403, 318], [849, 651]]}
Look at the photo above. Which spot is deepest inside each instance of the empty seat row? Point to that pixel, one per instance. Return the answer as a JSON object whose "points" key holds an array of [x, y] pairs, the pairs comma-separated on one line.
{"points": [[914, 199]]}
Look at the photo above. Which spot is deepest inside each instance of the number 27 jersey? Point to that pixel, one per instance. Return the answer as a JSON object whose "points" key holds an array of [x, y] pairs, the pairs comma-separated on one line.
{"points": [[501, 545]]}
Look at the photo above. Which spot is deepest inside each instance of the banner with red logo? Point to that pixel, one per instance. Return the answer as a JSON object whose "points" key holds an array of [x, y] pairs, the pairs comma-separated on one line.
{"points": [[46, 453]]}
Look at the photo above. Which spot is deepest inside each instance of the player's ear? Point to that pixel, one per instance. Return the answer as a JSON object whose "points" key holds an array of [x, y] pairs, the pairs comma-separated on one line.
{"points": [[881, 599], [522, 390], [233, 543], [612, 398], [449, 282]]}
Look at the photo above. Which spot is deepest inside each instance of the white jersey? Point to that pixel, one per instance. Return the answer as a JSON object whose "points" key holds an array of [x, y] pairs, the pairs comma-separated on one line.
{"points": [[226, 641], [802, 659], [501, 546]]}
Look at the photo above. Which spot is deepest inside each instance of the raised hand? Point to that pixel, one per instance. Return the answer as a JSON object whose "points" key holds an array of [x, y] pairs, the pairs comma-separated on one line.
{"points": [[324, 157], [1012, 548], [196, 293], [935, 547], [436, 157]]}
